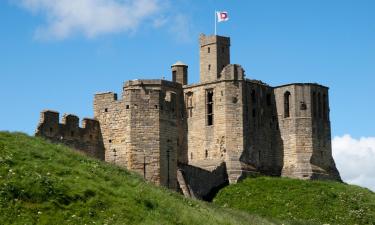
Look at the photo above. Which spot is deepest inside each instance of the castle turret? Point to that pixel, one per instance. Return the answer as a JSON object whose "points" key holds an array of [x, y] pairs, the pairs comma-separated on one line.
{"points": [[214, 56], [180, 73], [303, 116]]}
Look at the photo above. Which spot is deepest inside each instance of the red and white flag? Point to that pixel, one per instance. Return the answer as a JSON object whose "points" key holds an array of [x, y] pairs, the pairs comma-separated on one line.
{"points": [[222, 16]]}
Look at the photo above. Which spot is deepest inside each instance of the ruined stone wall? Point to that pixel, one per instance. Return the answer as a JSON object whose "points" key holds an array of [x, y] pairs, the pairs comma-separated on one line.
{"points": [[87, 139], [262, 136], [304, 137], [205, 143]]}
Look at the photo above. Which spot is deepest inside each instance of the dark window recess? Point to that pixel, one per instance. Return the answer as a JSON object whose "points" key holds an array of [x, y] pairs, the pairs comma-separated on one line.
{"points": [[191, 156], [287, 104], [90, 137], [174, 75], [156, 106], [303, 106], [127, 106], [268, 99], [210, 107], [110, 141], [50, 129], [209, 66], [234, 100], [208, 50], [105, 110], [206, 154], [253, 97]]}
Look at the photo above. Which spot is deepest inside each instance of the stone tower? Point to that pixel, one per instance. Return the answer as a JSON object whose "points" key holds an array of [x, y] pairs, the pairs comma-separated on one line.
{"points": [[214, 56], [304, 123], [180, 73]]}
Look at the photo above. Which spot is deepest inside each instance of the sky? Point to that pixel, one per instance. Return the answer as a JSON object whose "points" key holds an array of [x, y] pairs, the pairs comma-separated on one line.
{"points": [[56, 54]]}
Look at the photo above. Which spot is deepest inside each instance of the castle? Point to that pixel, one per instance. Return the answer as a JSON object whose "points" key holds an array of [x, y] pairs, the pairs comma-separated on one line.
{"points": [[196, 138]]}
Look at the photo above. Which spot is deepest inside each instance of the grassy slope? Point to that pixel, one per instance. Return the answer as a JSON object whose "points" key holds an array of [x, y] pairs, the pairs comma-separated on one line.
{"points": [[314, 201], [50, 184]]}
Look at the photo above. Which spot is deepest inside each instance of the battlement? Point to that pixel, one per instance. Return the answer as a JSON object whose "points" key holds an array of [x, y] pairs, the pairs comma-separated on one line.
{"points": [[151, 83], [213, 39], [86, 138]]}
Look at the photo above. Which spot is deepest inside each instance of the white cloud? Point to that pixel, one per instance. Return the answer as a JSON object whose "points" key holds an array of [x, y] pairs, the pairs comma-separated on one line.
{"points": [[355, 159], [90, 17]]}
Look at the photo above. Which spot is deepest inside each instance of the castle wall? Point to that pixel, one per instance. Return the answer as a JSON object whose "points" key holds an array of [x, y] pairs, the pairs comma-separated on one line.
{"points": [[87, 139], [114, 119]]}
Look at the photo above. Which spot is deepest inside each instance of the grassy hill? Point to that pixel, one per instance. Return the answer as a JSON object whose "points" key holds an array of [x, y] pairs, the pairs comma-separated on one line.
{"points": [[43, 183], [310, 201]]}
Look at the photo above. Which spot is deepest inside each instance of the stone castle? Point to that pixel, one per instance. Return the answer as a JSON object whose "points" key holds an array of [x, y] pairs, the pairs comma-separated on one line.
{"points": [[196, 138]]}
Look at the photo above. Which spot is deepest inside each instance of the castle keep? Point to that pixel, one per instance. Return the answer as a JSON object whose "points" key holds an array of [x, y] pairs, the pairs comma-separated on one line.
{"points": [[199, 137]]}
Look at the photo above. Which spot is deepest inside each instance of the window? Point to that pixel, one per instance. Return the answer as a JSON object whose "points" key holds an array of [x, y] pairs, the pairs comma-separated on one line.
{"points": [[127, 106], [287, 104], [189, 104], [210, 107], [106, 110], [268, 99], [208, 50], [174, 75], [209, 66], [191, 156], [253, 97], [206, 154]]}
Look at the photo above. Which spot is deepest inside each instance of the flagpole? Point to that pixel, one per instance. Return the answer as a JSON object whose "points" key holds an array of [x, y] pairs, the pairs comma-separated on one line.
{"points": [[215, 22]]}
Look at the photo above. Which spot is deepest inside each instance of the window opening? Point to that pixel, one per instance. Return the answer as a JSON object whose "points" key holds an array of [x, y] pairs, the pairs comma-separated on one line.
{"points": [[209, 107], [287, 104]]}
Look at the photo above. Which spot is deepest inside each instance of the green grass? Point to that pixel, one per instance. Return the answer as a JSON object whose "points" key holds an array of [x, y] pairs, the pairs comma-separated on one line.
{"points": [[296, 200], [44, 183]]}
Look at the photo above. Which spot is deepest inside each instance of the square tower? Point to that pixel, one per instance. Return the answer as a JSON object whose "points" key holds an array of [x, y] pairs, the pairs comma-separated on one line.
{"points": [[214, 56]]}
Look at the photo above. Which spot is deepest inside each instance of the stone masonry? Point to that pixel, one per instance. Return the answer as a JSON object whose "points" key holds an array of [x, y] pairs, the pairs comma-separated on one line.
{"points": [[197, 138]]}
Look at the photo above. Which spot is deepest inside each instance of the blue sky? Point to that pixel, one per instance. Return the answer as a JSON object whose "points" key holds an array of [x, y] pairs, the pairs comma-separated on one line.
{"points": [[57, 56]]}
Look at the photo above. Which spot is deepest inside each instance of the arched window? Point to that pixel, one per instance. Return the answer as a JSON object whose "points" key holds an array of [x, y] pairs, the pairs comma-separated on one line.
{"points": [[206, 154], [287, 104]]}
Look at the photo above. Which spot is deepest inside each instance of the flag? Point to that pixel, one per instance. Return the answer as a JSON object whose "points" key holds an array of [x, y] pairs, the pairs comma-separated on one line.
{"points": [[222, 16]]}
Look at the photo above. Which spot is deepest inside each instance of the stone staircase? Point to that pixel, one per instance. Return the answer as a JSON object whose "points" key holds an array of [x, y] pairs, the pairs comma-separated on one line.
{"points": [[183, 186]]}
